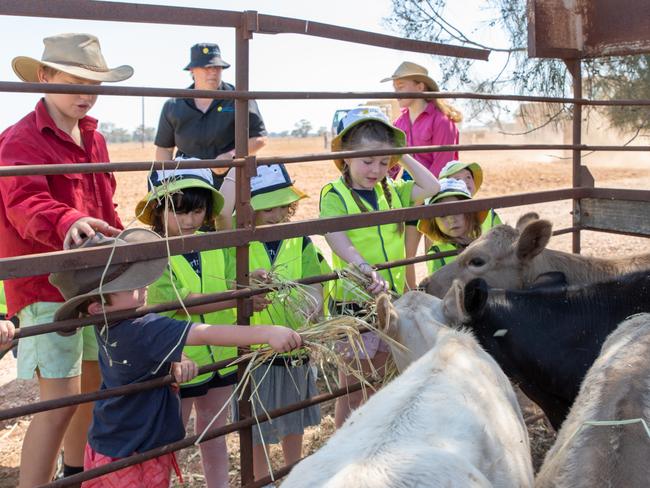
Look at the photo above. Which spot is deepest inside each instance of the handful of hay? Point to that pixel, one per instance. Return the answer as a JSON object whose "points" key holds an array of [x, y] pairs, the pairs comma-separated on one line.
{"points": [[322, 342]]}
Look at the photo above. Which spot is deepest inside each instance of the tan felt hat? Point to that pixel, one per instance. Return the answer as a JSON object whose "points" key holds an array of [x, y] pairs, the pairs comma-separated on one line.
{"points": [[414, 72], [80, 285], [75, 54]]}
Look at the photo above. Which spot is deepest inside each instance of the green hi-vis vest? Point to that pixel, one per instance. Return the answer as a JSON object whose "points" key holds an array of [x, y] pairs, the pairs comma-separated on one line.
{"points": [[211, 281], [3, 300], [377, 244], [434, 265], [492, 220], [288, 265]]}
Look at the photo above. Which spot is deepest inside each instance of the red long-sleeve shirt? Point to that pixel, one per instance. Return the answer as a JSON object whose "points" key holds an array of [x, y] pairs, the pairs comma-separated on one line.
{"points": [[37, 211]]}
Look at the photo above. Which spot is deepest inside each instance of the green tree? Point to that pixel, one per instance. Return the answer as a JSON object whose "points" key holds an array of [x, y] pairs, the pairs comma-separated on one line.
{"points": [[611, 77], [302, 128]]}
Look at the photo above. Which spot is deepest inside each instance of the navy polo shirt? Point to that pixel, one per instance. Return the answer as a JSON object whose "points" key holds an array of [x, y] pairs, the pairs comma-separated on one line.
{"points": [[204, 135]]}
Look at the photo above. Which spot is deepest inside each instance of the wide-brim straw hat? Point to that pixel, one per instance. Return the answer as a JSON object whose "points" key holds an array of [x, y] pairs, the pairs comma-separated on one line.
{"points": [[272, 187], [75, 54], [80, 285], [358, 116], [166, 182], [453, 167], [415, 72], [449, 187]]}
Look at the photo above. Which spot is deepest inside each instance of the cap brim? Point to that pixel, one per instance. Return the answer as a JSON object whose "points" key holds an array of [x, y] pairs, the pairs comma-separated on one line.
{"points": [[26, 69], [399, 137], [138, 275], [215, 62], [277, 198], [144, 208]]}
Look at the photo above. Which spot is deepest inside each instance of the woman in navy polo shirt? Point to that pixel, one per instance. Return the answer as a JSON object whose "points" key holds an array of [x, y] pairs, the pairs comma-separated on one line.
{"points": [[204, 128]]}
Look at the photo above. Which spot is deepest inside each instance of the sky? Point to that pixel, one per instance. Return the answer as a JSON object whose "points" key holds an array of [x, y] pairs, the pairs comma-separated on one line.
{"points": [[158, 54]]}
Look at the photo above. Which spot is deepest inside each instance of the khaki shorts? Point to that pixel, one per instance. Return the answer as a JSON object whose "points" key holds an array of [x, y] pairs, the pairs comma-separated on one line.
{"points": [[54, 356]]}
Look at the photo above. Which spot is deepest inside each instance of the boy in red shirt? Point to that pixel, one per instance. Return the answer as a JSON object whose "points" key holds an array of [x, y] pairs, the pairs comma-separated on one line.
{"points": [[48, 213]]}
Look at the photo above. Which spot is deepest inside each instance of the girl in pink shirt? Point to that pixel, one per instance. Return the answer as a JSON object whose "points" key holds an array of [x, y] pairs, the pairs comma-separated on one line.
{"points": [[426, 123]]}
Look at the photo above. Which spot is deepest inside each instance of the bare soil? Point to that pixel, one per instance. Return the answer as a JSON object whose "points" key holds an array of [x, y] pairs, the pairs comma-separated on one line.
{"points": [[505, 173]]}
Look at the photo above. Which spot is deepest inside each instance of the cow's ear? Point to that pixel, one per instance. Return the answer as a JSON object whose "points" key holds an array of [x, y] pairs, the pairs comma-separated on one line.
{"points": [[526, 219], [475, 297], [386, 315], [533, 239]]}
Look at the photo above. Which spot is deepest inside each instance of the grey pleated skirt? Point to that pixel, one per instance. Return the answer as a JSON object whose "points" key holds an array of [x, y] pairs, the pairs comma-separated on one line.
{"points": [[278, 386]]}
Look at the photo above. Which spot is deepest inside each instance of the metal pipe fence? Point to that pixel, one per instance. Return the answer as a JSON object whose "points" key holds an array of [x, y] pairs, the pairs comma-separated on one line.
{"points": [[245, 24]]}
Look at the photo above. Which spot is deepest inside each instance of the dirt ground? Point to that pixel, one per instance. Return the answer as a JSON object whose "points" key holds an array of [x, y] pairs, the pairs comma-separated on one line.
{"points": [[505, 173]]}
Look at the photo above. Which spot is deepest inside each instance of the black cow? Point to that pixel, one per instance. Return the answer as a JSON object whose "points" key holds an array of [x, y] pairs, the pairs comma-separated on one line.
{"points": [[546, 338]]}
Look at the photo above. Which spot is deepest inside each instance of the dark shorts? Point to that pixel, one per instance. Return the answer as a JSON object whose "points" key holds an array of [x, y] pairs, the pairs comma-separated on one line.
{"points": [[215, 382]]}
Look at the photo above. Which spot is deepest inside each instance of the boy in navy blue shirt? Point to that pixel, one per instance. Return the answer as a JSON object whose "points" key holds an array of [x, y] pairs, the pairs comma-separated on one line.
{"points": [[136, 350]]}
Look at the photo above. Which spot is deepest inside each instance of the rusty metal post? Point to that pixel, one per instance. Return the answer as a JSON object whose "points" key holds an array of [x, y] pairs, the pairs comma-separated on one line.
{"points": [[575, 68], [244, 212]]}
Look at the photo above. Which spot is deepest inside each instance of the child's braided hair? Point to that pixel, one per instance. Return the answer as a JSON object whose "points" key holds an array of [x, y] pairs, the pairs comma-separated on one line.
{"points": [[358, 137]]}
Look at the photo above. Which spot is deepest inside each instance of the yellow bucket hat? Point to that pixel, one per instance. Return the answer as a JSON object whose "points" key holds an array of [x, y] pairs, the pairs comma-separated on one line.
{"points": [[272, 187]]}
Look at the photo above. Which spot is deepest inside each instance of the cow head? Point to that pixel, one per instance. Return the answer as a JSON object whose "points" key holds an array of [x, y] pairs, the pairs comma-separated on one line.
{"points": [[501, 257], [413, 321]]}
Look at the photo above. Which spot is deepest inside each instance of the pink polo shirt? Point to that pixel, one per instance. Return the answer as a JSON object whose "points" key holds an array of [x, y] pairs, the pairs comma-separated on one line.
{"points": [[431, 128]]}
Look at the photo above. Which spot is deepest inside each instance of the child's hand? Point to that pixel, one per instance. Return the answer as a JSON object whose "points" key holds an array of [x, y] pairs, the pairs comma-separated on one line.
{"points": [[260, 275], [283, 339], [185, 370], [84, 228], [379, 284], [7, 331]]}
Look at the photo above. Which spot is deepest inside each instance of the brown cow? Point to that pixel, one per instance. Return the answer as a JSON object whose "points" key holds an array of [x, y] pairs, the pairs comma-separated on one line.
{"points": [[513, 258]]}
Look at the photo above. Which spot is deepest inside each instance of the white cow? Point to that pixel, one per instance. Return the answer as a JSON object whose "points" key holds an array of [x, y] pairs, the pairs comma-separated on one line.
{"points": [[450, 419], [617, 387]]}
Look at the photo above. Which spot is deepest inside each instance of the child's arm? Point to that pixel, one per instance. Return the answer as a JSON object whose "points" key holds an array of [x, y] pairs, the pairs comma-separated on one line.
{"points": [[426, 185], [260, 302], [7, 332], [281, 339], [343, 247]]}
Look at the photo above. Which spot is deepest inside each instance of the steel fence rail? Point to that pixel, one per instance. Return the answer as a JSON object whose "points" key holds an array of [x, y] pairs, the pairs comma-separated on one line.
{"points": [[157, 92], [38, 264], [251, 21], [56, 169], [189, 441], [205, 299]]}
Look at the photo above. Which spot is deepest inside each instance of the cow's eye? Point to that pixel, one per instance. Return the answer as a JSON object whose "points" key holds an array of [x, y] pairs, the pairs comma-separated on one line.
{"points": [[477, 262]]}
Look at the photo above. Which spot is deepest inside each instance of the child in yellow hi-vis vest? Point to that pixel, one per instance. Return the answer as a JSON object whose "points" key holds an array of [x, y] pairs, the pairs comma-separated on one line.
{"points": [[451, 232], [180, 203], [472, 175], [289, 378], [364, 187]]}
